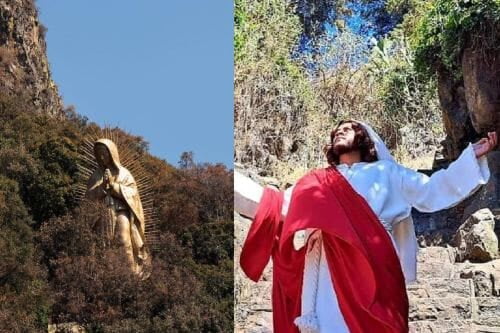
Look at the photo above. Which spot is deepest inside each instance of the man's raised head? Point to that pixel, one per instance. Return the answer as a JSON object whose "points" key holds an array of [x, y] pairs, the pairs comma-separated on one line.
{"points": [[347, 138]]}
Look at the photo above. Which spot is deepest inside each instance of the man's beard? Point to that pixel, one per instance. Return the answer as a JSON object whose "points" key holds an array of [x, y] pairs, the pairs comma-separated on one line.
{"points": [[344, 148]]}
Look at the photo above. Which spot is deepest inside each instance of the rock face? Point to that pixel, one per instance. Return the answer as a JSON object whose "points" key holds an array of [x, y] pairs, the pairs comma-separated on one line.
{"points": [[456, 120], [471, 108], [24, 69], [481, 76], [471, 104], [481, 81], [475, 239]]}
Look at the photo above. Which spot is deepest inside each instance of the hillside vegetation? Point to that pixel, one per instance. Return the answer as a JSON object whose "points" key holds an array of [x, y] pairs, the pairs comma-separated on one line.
{"points": [[53, 267], [301, 66], [293, 84]]}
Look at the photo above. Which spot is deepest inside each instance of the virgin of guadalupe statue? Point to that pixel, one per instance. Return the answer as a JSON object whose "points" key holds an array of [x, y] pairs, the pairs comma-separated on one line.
{"points": [[114, 185]]}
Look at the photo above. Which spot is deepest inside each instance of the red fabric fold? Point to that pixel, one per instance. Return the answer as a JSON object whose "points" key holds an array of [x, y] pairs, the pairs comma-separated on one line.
{"points": [[363, 263], [262, 238], [261, 244]]}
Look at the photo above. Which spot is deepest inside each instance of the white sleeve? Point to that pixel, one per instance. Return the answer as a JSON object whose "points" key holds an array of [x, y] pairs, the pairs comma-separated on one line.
{"points": [[287, 196], [247, 195], [447, 187], [406, 245]]}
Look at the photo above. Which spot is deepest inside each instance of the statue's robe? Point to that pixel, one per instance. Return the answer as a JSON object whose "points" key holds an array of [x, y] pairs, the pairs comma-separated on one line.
{"points": [[389, 191]]}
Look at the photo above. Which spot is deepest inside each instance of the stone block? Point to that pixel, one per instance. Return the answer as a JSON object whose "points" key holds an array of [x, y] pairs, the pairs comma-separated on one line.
{"points": [[439, 288], [446, 308]]}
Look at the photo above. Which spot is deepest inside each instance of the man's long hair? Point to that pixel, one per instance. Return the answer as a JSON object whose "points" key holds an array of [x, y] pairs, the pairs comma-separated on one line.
{"points": [[362, 142]]}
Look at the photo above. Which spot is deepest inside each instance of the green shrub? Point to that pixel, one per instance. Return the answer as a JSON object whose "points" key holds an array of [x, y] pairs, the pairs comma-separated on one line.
{"points": [[450, 25]]}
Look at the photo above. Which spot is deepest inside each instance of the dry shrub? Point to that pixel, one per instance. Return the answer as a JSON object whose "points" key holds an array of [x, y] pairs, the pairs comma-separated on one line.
{"points": [[94, 287], [272, 94]]}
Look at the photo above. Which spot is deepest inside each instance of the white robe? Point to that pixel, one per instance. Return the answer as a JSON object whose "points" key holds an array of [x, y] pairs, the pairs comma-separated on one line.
{"points": [[390, 190]]}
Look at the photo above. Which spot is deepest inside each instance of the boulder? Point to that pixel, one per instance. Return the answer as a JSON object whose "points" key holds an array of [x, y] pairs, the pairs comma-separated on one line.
{"points": [[475, 239]]}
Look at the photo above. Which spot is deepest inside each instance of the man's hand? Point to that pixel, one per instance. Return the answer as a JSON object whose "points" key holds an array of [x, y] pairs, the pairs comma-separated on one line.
{"points": [[485, 145]]}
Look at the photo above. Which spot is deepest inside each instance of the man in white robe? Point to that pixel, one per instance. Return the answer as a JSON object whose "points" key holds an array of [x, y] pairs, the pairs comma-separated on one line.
{"points": [[390, 190]]}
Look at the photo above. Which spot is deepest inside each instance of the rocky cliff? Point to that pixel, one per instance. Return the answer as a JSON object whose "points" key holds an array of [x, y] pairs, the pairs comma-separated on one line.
{"points": [[24, 68], [470, 103]]}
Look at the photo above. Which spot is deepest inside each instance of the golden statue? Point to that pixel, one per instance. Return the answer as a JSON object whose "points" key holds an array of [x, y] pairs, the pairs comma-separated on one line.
{"points": [[114, 185]]}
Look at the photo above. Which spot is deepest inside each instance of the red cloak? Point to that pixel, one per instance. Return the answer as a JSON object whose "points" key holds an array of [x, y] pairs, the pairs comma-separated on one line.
{"points": [[363, 263]]}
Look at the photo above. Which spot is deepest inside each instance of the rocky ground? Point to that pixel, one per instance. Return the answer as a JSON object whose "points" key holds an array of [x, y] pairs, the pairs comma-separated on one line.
{"points": [[448, 297], [252, 308]]}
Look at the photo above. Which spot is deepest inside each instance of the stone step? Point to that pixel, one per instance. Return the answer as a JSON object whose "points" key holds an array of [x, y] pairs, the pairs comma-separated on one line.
{"points": [[444, 308], [253, 327], [436, 270], [485, 329], [437, 254], [440, 287], [451, 326], [484, 312], [442, 326]]}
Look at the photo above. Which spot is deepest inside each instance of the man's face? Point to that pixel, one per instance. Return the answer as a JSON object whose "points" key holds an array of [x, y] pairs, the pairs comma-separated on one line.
{"points": [[102, 156], [343, 141]]}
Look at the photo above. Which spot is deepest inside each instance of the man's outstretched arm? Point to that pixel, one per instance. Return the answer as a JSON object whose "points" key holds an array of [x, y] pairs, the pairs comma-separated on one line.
{"points": [[447, 187], [247, 195]]}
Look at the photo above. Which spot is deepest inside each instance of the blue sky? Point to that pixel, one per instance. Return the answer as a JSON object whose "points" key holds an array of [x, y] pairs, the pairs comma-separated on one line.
{"points": [[159, 69]]}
